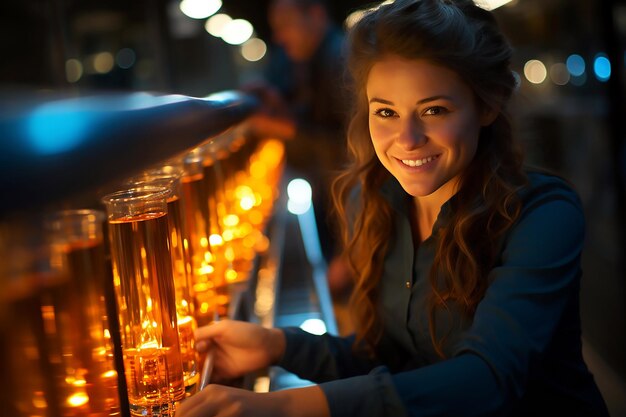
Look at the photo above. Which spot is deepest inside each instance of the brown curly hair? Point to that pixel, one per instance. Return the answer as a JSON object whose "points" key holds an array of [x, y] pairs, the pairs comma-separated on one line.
{"points": [[464, 38]]}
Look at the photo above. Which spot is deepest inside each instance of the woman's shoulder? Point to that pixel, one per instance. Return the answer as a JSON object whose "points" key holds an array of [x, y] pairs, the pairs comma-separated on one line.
{"points": [[544, 187]]}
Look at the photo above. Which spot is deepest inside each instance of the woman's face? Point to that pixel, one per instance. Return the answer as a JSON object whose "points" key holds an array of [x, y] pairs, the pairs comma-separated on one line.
{"points": [[424, 123]]}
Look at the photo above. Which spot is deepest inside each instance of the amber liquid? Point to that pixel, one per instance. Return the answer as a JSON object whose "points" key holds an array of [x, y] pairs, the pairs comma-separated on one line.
{"points": [[145, 293], [213, 183], [182, 283], [236, 257], [206, 275], [184, 298], [63, 361], [186, 327], [149, 382], [94, 377]]}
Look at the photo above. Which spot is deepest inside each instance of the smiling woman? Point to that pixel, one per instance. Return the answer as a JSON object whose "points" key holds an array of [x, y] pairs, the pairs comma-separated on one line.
{"points": [[424, 123], [466, 264]]}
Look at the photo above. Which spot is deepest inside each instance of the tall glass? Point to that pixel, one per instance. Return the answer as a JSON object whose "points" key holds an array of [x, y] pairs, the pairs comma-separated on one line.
{"points": [[28, 384], [80, 317], [169, 177], [56, 330], [144, 287], [205, 245]]}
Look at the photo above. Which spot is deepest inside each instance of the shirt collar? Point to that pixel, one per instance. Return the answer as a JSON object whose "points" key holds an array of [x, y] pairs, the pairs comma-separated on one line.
{"points": [[400, 201]]}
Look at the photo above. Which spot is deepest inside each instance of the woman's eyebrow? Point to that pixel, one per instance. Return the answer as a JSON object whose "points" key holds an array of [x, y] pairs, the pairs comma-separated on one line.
{"points": [[380, 100], [434, 98], [422, 101]]}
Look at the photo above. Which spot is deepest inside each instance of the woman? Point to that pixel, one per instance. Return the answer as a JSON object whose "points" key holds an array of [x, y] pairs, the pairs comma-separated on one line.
{"points": [[467, 267]]}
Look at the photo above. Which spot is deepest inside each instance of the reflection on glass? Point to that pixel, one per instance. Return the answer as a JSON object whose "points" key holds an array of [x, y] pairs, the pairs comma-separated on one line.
{"points": [[204, 247], [144, 286], [74, 314], [169, 177], [59, 357]]}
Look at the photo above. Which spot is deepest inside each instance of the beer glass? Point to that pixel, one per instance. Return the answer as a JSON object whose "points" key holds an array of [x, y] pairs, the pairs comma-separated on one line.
{"points": [[205, 244], [144, 287], [77, 249], [58, 337], [169, 177]]}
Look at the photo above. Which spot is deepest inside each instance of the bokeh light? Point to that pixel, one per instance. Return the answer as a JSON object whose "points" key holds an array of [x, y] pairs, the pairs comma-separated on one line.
{"points": [[535, 71], [237, 31], [253, 49], [103, 62], [125, 58], [575, 65], [314, 326], [492, 4], [73, 70], [215, 24], [200, 9], [559, 74], [602, 67]]}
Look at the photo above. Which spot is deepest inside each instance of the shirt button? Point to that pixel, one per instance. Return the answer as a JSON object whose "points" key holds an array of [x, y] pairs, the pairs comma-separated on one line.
{"points": [[408, 284]]}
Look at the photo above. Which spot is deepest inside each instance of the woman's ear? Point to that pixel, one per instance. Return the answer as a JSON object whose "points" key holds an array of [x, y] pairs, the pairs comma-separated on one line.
{"points": [[488, 115]]}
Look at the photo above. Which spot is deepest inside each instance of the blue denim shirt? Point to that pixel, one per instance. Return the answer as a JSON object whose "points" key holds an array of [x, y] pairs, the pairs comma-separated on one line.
{"points": [[519, 355]]}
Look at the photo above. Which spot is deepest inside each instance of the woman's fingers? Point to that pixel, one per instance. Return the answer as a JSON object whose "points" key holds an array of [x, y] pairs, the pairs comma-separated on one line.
{"points": [[217, 400], [205, 403], [211, 330], [195, 406]]}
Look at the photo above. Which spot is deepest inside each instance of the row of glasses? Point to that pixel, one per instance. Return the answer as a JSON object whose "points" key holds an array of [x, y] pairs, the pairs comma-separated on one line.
{"points": [[181, 236], [57, 352]]}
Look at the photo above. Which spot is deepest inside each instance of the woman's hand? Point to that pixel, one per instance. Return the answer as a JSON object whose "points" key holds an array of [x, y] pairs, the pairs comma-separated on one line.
{"points": [[221, 401], [240, 347]]}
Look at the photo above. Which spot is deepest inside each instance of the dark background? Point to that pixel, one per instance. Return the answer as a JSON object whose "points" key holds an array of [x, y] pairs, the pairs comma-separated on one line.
{"points": [[575, 130]]}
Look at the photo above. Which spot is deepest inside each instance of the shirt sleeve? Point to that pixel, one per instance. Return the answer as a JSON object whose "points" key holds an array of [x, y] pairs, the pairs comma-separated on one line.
{"points": [[321, 358], [512, 327]]}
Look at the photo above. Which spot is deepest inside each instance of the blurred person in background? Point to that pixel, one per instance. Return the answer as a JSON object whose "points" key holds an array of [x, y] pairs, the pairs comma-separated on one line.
{"points": [[303, 100], [467, 263]]}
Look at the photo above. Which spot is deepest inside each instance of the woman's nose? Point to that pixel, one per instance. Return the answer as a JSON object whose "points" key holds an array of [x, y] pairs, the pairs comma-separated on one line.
{"points": [[412, 134]]}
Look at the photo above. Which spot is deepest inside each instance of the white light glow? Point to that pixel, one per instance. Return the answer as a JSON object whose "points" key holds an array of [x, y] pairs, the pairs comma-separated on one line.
{"points": [[237, 31], [297, 208], [200, 9], [215, 24], [253, 50], [353, 18], [299, 190], [314, 326], [535, 71], [492, 4]]}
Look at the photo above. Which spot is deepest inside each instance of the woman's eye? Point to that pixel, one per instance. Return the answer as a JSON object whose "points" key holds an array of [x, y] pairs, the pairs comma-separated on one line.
{"points": [[435, 111], [385, 113]]}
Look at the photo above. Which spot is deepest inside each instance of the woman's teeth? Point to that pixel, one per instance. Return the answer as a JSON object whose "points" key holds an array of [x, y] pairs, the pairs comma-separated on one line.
{"points": [[419, 162]]}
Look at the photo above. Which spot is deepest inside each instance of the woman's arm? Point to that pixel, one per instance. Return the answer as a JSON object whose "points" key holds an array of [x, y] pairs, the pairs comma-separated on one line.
{"points": [[241, 347], [221, 401]]}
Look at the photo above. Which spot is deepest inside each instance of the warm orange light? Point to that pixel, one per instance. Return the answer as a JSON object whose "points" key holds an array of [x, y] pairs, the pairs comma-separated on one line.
{"points": [[78, 399]]}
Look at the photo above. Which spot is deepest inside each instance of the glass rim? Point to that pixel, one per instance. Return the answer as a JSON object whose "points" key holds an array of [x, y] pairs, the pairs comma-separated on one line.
{"points": [[74, 213], [137, 194], [154, 180], [174, 170]]}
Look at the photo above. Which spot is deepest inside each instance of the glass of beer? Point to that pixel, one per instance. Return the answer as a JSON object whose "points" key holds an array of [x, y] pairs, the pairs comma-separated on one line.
{"points": [[144, 287], [169, 177], [80, 315], [205, 244]]}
